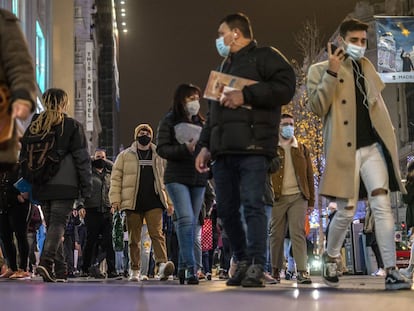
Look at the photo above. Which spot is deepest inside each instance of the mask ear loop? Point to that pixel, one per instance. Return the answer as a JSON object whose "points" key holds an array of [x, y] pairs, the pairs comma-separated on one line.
{"points": [[358, 84]]}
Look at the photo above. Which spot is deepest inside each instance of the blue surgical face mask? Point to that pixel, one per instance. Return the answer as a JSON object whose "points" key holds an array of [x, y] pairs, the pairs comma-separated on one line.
{"points": [[355, 51], [287, 131], [222, 48]]}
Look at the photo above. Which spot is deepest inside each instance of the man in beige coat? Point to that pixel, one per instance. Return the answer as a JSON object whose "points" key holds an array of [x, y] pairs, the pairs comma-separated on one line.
{"points": [[137, 187], [360, 144]]}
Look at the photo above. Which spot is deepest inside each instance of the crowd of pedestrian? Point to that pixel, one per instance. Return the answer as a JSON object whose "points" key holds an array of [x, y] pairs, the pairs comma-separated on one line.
{"points": [[231, 191]]}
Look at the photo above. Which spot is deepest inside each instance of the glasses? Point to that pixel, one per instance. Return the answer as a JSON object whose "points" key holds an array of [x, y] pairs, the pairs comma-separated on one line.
{"points": [[286, 123]]}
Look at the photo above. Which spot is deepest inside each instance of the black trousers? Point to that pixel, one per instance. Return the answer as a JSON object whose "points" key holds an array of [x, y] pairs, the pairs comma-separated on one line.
{"points": [[98, 224], [14, 220], [56, 214]]}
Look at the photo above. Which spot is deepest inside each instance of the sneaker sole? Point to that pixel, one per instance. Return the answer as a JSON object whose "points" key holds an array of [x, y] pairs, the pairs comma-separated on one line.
{"points": [[307, 282], [397, 286], [252, 284], [115, 278], [45, 274], [231, 283]]}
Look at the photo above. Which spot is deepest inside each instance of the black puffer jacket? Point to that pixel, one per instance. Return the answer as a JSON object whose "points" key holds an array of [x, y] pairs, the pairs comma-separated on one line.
{"points": [[180, 162], [73, 180], [251, 131]]}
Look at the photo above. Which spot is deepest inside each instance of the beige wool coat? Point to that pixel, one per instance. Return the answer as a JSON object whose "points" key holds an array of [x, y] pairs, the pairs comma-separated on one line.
{"points": [[333, 99], [126, 174]]}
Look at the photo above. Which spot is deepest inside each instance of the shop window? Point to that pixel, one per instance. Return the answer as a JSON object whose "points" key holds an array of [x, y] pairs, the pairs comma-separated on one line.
{"points": [[40, 58]]}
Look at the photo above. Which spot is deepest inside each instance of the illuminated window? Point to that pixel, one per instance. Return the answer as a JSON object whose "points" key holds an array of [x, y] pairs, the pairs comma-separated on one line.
{"points": [[40, 58], [15, 7]]}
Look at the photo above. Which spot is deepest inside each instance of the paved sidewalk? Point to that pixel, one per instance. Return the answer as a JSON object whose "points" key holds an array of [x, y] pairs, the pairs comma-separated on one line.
{"points": [[354, 293]]}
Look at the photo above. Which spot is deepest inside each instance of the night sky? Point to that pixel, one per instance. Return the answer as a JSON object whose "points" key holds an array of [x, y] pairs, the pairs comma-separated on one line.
{"points": [[173, 42]]}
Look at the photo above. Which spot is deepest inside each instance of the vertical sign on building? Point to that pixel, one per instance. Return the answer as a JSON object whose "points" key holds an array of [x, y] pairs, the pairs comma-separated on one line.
{"points": [[89, 85]]}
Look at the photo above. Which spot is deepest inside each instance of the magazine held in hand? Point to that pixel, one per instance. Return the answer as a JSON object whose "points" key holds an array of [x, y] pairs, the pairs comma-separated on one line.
{"points": [[219, 83]]}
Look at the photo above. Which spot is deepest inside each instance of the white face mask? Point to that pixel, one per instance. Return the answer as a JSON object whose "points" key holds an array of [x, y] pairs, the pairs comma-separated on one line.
{"points": [[192, 107], [355, 51]]}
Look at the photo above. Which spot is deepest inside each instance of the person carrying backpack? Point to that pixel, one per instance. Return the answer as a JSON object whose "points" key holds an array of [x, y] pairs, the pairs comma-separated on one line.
{"points": [[66, 174]]}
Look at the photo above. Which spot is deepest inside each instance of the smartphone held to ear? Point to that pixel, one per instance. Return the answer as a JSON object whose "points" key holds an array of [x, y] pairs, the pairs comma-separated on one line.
{"points": [[333, 49]]}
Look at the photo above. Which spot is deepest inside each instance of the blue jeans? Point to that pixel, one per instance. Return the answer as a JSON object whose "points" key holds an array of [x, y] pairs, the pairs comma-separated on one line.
{"points": [[268, 265], [187, 202], [240, 180]]}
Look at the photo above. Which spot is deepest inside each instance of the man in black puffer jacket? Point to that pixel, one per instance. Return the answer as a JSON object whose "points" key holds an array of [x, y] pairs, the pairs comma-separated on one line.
{"points": [[241, 135]]}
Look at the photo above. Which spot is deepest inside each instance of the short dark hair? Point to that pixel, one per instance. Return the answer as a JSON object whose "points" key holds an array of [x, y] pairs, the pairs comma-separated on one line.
{"points": [[352, 24], [286, 116], [240, 21]]}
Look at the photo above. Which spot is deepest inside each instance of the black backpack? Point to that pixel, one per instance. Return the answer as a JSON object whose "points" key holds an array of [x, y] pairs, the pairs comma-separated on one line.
{"points": [[40, 160]]}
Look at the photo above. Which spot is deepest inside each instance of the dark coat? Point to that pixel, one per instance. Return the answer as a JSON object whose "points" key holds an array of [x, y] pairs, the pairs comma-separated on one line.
{"points": [[101, 183], [180, 162], [255, 130], [409, 200], [73, 179], [16, 66]]}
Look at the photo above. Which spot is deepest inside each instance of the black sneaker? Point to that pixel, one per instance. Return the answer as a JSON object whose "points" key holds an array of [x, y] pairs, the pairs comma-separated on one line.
{"points": [[113, 275], [395, 280], [303, 278], [61, 277], [239, 274], [95, 272], [288, 275], [254, 277], [329, 271], [45, 274]]}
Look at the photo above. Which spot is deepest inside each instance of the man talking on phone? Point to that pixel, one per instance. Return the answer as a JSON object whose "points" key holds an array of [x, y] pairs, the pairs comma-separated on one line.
{"points": [[360, 146]]}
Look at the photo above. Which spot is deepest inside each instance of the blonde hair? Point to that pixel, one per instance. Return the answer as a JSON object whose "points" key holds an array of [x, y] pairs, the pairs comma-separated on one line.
{"points": [[55, 101]]}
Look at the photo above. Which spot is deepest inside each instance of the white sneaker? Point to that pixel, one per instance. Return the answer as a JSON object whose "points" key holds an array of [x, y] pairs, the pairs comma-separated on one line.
{"points": [[233, 267], [379, 272], [165, 270], [133, 276], [143, 277]]}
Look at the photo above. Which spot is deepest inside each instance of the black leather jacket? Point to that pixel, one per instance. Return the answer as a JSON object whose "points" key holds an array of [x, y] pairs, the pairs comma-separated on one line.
{"points": [[251, 131], [101, 183]]}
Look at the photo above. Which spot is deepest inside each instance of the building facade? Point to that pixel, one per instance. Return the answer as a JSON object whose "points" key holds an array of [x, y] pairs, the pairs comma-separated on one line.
{"points": [[74, 46]]}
